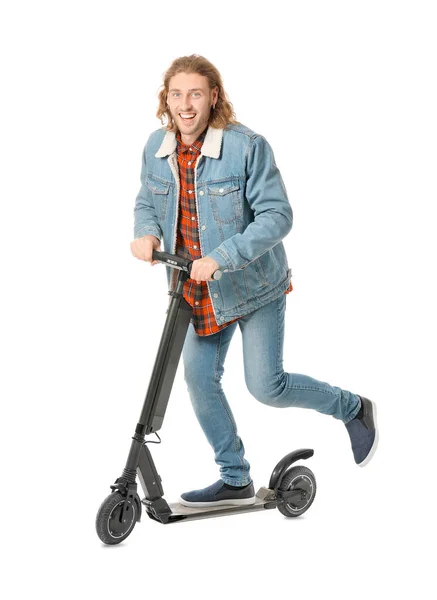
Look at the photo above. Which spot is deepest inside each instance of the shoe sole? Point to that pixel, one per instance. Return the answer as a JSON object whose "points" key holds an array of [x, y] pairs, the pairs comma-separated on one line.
{"points": [[375, 441], [241, 502]]}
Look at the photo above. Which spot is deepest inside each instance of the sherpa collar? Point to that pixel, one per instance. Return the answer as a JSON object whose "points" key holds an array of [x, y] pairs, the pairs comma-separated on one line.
{"points": [[211, 144]]}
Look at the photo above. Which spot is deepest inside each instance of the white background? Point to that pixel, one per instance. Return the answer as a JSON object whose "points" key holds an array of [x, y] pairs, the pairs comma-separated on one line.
{"points": [[345, 92]]}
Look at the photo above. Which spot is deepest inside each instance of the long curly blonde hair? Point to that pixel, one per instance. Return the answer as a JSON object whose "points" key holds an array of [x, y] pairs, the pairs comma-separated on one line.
{"points": [[223, 112]]}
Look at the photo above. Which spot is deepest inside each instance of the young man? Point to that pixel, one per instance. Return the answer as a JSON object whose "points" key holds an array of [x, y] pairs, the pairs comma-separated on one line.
{"points": [[211, 190]]}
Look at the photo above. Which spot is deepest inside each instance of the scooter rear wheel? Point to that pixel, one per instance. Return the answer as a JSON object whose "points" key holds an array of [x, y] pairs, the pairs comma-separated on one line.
{"points": [[298, 479], [109, 526]]}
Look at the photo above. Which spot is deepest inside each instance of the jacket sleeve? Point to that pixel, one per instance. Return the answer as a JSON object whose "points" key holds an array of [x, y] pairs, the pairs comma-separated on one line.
{"points": [[146, 221], [273, 216]]}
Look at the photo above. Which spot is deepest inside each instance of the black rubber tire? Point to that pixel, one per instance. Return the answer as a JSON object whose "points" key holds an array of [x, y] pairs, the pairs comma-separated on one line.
{"points": [[299, 477], [108, 528]]}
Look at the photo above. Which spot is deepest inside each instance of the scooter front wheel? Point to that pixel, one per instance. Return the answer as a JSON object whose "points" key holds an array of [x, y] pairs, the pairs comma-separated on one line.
{"points": [[113, 523], [298, 479]]}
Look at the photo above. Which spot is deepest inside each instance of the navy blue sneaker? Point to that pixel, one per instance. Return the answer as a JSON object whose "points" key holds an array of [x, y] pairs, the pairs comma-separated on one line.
{"points": [[218, 494], [363, 432]]}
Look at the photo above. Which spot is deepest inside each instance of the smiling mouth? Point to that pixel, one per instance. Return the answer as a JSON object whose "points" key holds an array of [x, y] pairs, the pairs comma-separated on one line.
{"points": [[187, 116]]}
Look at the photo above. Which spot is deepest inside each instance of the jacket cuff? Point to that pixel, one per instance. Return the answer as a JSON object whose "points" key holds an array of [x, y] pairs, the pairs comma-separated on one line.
{"points": [[147, 231], [221, 260]]}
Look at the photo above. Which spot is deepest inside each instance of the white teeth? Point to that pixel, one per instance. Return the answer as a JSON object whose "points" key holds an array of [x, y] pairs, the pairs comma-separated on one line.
{"points": [[187, 116]]}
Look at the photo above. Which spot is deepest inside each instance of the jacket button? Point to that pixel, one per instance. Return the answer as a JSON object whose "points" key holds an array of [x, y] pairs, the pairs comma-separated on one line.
{"points": [[201, 193], [221, 190], [215, 295], [203, 227]]}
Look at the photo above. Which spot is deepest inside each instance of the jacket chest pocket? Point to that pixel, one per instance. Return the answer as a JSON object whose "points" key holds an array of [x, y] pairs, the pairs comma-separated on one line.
{"points": [[225, 201], [159, 191]]}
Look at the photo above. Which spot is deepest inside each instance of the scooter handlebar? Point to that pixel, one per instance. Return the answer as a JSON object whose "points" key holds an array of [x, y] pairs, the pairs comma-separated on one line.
{"points": [[177, 262]]}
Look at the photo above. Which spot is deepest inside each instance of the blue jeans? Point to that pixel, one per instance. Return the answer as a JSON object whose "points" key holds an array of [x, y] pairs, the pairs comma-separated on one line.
{"points": [[263, 341]]}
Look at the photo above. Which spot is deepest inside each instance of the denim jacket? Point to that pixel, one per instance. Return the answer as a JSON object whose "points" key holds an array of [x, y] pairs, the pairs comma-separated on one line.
{"points": [[242, 208]]}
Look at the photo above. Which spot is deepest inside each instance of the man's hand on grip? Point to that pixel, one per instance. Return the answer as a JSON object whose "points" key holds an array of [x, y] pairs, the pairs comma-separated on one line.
{"points": [[143, 247]]}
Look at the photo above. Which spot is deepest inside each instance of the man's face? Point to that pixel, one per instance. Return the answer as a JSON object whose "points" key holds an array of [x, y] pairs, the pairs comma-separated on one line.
{"points": [[189, 96]]}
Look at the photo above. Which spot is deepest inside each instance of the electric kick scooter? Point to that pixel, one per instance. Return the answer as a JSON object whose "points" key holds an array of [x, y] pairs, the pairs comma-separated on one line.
{"points": [[291, 488]]}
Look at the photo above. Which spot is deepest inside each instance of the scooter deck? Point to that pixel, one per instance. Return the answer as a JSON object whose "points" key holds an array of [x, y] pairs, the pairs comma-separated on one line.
{"points": [[263, 496]]}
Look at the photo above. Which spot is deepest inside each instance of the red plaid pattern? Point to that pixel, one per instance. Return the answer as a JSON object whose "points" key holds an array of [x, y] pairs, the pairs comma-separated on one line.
{"points": [[187, 241]]}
